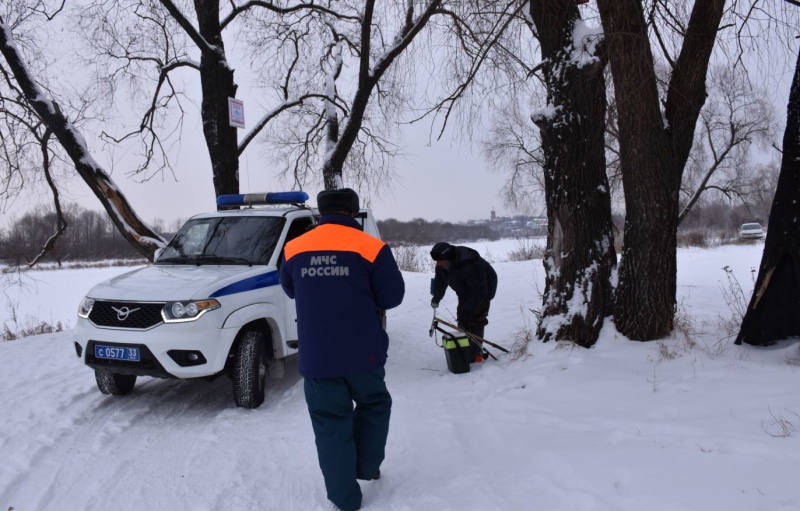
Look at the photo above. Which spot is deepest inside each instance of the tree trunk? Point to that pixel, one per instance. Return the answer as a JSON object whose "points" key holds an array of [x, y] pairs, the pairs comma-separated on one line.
{"points": [[136, 231], [216, 79], [773, 311], [653, 153], [580, 252], [333, 166], [645, 300]]}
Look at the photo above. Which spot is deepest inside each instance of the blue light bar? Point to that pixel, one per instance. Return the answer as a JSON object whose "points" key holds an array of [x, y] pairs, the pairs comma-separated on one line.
{"points": [[250, 199]]}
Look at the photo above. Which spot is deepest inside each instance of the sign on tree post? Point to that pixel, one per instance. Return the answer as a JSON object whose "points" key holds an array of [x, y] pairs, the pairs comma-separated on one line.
{"points": [[236, 113]]}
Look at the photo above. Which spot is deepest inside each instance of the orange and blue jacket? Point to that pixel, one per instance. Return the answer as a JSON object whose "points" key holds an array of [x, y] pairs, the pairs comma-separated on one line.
{"points": [[342, 280]]}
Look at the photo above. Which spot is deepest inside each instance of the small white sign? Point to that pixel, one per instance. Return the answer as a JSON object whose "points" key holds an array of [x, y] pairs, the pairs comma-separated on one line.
{"points": [[236, 112]]}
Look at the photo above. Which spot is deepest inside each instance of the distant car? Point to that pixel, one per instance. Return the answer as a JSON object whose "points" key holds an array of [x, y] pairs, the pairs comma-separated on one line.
{"points": [[751, 232]]}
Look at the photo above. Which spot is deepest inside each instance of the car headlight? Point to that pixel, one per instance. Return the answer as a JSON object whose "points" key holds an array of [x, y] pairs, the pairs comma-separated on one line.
{"points": [[85, 307], [178, 312]]}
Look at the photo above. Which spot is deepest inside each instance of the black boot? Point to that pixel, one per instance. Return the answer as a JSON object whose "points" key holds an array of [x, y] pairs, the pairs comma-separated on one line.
{"points": [[375, 476]]}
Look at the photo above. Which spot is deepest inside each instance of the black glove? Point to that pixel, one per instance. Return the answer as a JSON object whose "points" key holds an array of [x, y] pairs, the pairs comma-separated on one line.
{"points": [[434, 304]]}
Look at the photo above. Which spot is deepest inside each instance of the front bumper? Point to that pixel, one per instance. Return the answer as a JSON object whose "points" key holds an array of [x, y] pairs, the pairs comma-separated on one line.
{"points": [[163, 348]]}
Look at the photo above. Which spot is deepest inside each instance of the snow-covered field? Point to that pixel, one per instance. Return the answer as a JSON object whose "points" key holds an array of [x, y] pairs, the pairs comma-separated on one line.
{"points": [[622, 426]]}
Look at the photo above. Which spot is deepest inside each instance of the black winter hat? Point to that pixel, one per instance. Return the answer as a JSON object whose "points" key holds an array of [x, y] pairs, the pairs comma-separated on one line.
{"points": [[442, 250], [341, 200]]}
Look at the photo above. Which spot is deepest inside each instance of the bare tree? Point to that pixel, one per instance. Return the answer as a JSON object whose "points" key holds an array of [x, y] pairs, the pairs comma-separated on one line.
{"points": [[54, 122], [736, 116], [512, 145], [654, 147], [656, 133]]}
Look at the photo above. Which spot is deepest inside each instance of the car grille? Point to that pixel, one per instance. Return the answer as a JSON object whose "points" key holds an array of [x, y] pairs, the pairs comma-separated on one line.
{"points": [[132, 315]]}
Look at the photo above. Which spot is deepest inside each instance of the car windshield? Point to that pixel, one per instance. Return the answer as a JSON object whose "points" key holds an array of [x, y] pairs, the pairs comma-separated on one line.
{"points": [[224, 240], [751, 227]]}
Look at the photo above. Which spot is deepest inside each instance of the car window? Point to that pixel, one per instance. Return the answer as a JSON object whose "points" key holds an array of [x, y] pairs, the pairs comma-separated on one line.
{"points": [[225, 240], [298, 227]]}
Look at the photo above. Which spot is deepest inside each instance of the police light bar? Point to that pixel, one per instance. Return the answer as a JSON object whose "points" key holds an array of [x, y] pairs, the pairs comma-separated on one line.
{"points": [[251, 199]]}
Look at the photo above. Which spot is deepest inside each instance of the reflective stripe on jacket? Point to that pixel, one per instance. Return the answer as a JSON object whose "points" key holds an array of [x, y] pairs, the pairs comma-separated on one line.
{"points": [[341, 279]]}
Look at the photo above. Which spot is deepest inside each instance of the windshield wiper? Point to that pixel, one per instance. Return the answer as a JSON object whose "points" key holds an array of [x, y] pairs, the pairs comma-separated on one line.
{"points": [[181, 259], [216, 259]]}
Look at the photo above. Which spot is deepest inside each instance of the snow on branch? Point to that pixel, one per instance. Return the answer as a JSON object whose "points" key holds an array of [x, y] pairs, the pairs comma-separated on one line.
{"points": [[585, 41], [330, 100], [116, 204]]}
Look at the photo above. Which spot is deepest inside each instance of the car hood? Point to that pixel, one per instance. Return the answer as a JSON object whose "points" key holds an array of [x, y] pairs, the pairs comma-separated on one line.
{"points": [[159, 283]]}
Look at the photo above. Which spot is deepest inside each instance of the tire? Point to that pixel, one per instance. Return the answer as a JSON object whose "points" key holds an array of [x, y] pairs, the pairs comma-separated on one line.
{"points": [[249, 370], [114, 384]]}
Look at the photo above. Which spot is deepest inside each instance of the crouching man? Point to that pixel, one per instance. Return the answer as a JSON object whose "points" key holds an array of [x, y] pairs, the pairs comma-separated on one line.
{"points": [[474, 281]]}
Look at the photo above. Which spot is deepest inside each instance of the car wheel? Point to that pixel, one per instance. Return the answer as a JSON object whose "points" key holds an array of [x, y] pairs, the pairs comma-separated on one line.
{"points": [[114, 384], [249, 371]]}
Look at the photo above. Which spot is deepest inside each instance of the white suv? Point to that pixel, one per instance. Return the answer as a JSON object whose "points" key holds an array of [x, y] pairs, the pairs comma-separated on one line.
{"points": [[211, 303]]}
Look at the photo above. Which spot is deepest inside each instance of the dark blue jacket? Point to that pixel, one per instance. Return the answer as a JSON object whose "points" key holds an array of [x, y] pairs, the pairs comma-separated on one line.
{"points": [[342, 280], [471, 277]]}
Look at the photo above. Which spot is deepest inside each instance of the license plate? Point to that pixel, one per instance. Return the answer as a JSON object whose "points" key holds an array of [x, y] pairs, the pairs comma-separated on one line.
{"points": [[116, 353]]}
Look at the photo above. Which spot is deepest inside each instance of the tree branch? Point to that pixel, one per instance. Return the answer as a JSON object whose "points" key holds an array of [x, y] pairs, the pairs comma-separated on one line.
{"points": [[447, 103], [274, 113], [61, 224], [187, 27], [366, 35], [284, 10]]}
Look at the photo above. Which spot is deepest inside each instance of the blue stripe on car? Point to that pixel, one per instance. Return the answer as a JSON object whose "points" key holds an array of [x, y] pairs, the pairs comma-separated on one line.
{"points": [[248, 284]]}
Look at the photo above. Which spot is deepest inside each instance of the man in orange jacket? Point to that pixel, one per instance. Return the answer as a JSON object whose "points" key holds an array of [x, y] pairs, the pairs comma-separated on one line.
{"points": [[343, 280]]}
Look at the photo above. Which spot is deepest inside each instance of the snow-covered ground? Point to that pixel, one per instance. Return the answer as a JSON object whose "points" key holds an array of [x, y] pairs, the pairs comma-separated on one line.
{"points": [[682, 424]]}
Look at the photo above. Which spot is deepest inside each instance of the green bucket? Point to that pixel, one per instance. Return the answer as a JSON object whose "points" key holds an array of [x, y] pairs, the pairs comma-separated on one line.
{"points": [[457, 353]]}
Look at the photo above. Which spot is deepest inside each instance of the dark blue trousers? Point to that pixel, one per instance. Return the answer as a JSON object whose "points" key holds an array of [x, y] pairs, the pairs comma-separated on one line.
{"points": [[350, 442]]}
